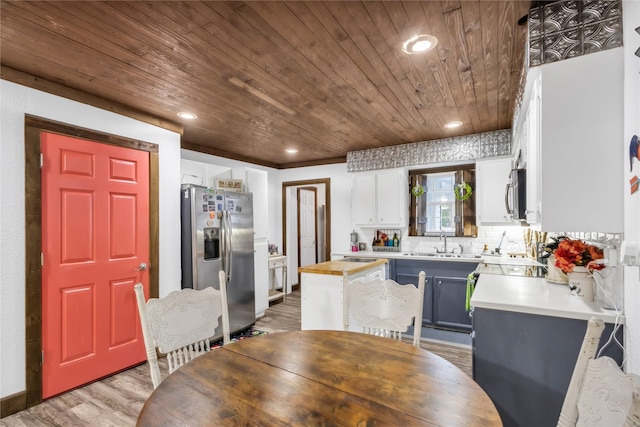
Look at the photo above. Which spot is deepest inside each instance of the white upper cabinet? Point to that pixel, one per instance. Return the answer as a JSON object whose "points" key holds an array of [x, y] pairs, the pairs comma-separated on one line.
{"points": [[492, 177], [380, 199], [532, 155], [256, 181], [364, 199], [391, 192], [574, 118]]}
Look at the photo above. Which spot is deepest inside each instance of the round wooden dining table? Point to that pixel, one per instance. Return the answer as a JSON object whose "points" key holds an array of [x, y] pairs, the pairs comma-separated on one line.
{"points": [[318, 378]]}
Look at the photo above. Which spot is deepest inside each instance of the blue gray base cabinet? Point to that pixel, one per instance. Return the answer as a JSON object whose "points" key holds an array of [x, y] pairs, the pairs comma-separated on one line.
{"points": [[524, 362], [445, 290]]}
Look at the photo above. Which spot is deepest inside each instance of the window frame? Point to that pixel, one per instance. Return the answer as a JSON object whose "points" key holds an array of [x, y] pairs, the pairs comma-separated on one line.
{"points": [[465, 211]]}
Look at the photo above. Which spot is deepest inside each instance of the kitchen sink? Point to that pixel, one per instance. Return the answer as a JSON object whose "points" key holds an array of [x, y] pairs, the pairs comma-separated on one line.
{"points": [[420, 254], [353, 259], [443, 255]]}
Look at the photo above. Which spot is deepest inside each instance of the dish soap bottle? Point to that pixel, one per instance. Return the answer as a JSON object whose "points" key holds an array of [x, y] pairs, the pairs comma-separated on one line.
{"points": [[396, 241]]}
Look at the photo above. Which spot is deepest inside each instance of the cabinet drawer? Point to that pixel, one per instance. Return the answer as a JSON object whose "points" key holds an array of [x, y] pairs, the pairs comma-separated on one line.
{"points": [[277, 263]]}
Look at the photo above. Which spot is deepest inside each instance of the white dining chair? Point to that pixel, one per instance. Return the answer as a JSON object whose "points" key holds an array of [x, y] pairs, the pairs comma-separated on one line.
{"points": [[181, 324], [599, 393], [384, 307]]}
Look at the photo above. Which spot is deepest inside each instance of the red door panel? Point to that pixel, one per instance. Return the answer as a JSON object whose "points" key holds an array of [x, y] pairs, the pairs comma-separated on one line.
{"points": [[124, 319], [122, 223], [95, 225], [78, 338], [76, 222]]}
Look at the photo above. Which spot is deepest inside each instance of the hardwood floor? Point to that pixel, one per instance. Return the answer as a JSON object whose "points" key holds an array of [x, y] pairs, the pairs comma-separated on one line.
{"points": [[117, 400]]}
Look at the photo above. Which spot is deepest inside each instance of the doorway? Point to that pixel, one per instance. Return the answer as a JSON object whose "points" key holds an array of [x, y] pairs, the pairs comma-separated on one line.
{"points": [[307, 220], [34, 126], [290, 233]]}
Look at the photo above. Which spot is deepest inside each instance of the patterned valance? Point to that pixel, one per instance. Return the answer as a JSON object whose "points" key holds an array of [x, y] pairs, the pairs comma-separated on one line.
{"points": [[565, 29], [468, 147]]}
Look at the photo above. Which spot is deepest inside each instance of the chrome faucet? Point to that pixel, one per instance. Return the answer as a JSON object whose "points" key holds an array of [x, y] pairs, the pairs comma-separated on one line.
{"points": [[443, 235]]}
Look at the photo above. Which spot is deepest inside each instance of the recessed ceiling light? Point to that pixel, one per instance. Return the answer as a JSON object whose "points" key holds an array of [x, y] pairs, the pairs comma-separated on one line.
{"points": [[453, 124], [291, 150], [186, 115], [419, 44]]}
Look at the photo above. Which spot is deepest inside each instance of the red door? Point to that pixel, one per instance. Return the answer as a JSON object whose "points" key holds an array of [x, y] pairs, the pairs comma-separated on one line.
{"points": [[95, 235]]}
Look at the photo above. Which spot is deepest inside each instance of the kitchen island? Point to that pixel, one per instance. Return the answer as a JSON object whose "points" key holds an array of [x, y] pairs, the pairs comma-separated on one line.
{"points": [[445, 285], [322, 290], [526, 336]]}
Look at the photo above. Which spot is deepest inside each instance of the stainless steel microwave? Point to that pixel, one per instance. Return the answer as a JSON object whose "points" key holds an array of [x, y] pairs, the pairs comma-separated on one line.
{"points": [[515, 194]]}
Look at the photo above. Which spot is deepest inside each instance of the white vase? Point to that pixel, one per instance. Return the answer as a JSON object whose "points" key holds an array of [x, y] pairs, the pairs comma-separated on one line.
{"points": [[581, 283], [554, 274]]}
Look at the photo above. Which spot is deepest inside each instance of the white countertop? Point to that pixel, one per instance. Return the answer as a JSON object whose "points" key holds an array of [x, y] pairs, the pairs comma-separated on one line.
{"points": [[533, 296], [488, 259]]}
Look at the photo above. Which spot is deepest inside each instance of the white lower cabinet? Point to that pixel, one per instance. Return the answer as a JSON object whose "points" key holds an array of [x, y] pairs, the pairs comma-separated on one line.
{"points": [[322, 299]]}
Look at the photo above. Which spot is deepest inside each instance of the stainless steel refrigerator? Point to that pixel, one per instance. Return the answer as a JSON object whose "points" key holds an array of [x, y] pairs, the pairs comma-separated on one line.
{"points": [[217, 234]]}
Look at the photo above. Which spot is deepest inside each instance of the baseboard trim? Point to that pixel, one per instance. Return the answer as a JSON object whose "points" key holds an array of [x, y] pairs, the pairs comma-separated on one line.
{"points": [[13, 403]]}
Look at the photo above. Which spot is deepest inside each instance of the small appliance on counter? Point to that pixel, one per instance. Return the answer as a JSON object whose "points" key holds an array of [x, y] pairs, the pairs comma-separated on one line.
{"points": [[354, 241]]}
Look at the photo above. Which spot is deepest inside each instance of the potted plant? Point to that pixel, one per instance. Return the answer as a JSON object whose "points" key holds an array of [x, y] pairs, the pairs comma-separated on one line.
{"points": [[554, 274], [577, 259], [575, 253], [550, 247]]}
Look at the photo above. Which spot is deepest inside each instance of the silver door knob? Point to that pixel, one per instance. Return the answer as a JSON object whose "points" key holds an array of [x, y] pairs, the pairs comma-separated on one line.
{"points": [[141, 267]]}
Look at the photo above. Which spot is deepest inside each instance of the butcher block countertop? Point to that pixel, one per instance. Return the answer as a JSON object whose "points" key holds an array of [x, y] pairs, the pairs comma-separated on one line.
{"points": [[337, 267]]}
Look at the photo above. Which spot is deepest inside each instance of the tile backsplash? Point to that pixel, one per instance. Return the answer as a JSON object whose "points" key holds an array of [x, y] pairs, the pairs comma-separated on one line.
{"points": [[491, 236]]}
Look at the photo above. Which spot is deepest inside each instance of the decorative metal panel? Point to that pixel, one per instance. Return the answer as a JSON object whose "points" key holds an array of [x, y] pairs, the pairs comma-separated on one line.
{"points": [[566, 29], [468, 147]]}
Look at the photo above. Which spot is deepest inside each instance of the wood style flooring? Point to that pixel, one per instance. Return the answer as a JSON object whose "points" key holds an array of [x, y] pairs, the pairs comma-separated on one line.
{"points": [[117, 400]]}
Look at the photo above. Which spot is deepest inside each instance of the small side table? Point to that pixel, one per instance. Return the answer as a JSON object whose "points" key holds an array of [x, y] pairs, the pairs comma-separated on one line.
{"points": [[275, 262]]}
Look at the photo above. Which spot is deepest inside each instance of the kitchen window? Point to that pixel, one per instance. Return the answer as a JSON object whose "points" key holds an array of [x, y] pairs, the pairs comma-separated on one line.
{"points": [[438, 210], [443, 205]]}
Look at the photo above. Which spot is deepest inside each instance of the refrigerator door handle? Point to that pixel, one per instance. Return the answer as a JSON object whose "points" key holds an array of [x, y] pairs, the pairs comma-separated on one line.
{"points": [[229, 246], [223, 241]]}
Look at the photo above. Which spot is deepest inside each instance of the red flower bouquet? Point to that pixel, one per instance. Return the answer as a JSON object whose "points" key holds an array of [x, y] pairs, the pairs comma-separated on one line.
{"points": [[571, 253]]}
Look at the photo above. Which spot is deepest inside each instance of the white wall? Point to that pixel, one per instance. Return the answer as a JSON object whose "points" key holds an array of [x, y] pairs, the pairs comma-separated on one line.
{"points": [[341, 222], [16, 101], [631, 20]]}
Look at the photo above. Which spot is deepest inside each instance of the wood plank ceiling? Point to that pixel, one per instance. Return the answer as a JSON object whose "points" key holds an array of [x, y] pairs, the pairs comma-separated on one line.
{"points": [[263, 76]]}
